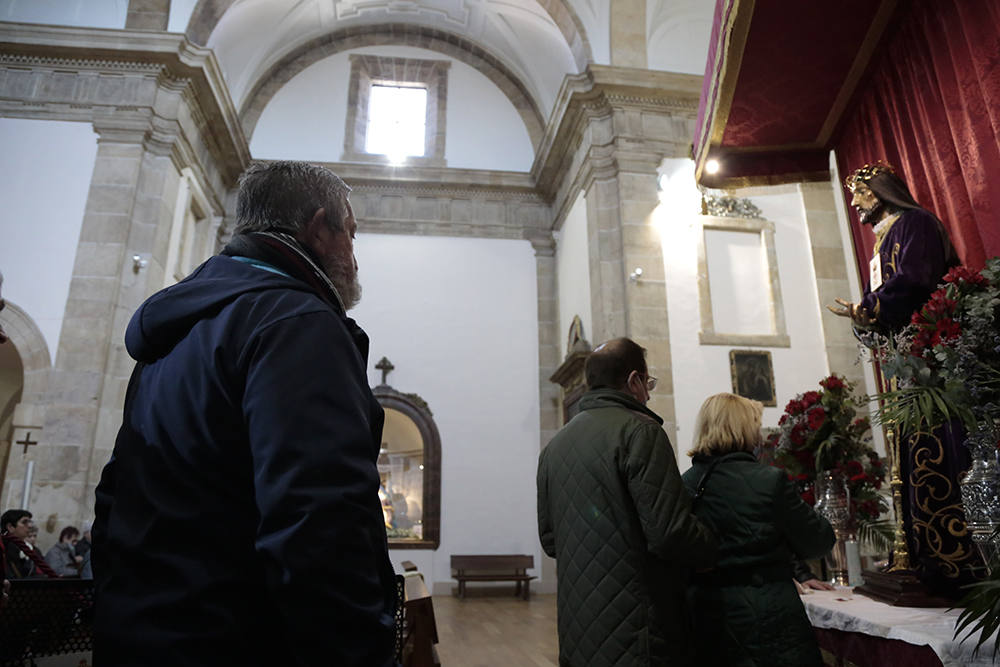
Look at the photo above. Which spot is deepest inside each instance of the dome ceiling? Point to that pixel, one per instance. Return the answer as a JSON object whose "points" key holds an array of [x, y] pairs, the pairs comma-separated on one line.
{"points": [[253, 35]]}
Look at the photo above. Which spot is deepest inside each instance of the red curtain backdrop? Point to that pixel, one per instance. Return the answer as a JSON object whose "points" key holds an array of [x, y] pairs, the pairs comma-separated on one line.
{"points": [[931, 108]]}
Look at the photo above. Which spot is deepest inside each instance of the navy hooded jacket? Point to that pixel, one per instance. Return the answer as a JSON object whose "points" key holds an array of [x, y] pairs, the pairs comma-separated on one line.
{"points": [[238, 521]]}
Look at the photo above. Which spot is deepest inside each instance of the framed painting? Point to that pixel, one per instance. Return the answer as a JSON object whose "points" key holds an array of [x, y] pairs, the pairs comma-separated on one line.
{"points": [[753, 375]]}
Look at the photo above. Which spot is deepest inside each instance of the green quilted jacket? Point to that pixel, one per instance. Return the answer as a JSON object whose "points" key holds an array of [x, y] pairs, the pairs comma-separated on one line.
{"points": [[613, 512], [747, 612]]}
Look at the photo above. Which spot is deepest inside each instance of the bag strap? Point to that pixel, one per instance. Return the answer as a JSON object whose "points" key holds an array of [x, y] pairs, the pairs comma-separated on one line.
{"points": [[704, 480]]}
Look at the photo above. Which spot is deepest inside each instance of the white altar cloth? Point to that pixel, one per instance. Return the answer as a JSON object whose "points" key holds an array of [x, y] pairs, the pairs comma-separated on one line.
{"points": [[840, 610]]}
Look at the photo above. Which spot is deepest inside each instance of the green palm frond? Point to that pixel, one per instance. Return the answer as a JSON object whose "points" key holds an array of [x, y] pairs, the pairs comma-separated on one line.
{"points": [[914, 408], [982, 611], [878, 535]]}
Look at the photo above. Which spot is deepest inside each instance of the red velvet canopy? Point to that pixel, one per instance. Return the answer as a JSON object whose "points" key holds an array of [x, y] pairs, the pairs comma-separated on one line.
{"points": [[912, 82]]}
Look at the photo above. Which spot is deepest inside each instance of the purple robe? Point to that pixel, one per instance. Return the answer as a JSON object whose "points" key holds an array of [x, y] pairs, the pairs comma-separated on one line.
{"points": [[915, 255]]}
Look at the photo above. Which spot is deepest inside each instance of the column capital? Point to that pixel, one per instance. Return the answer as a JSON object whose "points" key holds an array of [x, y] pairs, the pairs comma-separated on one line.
{"points": [[542, 241]]}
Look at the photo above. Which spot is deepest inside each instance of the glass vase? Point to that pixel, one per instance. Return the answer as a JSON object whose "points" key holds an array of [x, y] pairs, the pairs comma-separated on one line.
{"points": [[833, 502]]}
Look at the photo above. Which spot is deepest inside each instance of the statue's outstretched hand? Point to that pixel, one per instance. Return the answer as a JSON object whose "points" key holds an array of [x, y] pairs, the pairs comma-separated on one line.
{"points": [[844, 310], [852, 310]]}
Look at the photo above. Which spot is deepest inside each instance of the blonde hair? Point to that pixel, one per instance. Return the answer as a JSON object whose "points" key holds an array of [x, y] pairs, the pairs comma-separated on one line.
{"points": [[727, 423]]}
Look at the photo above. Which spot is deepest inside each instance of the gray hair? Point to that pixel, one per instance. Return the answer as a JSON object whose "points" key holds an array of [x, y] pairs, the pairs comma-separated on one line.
{"points": [[285, 195]]}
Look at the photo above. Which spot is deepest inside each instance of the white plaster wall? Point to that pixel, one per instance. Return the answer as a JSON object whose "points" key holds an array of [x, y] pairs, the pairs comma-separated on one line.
{"points": [[90, 13], [702, 370], [573, 274], [458, 319], [595, 16], [180, 14], [47, 167], [306, 119], [678, 32], [854, 279]]}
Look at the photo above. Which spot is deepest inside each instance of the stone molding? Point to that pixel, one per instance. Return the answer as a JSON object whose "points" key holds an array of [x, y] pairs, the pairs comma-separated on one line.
{"points": [[207, 14], [396, 34], [611, 119], [435, 201], [120, 80]]}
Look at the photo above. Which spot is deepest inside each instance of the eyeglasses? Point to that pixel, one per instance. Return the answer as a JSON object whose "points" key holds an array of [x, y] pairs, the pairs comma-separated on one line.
{"points": [[650, 383]]}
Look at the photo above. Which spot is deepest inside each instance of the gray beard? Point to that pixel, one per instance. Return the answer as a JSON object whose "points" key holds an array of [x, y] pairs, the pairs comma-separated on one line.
{"points": [[345, 280]]}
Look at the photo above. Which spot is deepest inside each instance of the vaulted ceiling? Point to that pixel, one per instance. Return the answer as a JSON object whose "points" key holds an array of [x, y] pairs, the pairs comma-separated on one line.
{"points": [[537, 42]]}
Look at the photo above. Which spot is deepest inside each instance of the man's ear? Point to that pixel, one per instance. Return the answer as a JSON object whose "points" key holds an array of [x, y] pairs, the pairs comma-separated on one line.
{"points": [[315, 224]]}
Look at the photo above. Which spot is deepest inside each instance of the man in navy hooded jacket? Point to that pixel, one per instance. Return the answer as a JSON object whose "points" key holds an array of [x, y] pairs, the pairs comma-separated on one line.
{"points": [[238, 520]]}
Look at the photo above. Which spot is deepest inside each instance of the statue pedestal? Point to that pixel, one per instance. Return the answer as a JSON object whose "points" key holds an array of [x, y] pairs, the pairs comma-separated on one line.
{"points": [[900, 589]]}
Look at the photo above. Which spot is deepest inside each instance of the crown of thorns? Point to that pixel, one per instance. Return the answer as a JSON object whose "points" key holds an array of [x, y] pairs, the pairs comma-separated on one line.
{"points": [[866, 173]]}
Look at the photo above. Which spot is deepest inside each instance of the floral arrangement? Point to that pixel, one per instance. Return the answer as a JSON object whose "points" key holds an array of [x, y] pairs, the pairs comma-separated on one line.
{"points": [[820, 431], [947, 360]]}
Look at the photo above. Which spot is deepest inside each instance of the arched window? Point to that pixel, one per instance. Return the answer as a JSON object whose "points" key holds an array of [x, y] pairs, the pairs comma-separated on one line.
{"points": [[409, 466]]}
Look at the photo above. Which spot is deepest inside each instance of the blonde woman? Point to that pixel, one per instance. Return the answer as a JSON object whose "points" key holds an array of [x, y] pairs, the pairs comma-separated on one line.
{"points": [[747, 610]]}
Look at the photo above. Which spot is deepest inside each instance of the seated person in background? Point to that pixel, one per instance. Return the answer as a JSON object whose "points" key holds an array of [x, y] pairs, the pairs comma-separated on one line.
{"points": [[62, 557], [23, 560], [16, 526], [83, 544], [747, 611]]}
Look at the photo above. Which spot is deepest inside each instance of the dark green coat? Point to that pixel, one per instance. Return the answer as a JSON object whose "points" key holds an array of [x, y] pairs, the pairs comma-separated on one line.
{"points": [[613, 512], [747, 612]]}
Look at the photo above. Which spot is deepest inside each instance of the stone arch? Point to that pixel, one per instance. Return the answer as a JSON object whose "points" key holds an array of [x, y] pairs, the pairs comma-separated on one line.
{"points": [[207, 13], [33, 353], [30, 344], [396, 34]]}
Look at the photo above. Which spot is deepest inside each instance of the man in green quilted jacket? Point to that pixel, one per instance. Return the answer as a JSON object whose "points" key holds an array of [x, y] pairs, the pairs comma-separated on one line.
{"points": [[613, 512]]}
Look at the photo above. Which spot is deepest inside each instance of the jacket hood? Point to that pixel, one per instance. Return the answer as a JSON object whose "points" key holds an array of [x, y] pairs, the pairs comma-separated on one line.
{"points": [[606, 398], [167, 316]]}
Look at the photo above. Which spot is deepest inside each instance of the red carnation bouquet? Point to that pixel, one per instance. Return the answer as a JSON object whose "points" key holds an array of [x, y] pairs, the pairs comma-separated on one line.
{"points": [[821, 431]]}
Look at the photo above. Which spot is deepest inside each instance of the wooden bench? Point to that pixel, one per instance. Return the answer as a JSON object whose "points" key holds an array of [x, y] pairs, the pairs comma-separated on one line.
{"points": [[512, 567]]}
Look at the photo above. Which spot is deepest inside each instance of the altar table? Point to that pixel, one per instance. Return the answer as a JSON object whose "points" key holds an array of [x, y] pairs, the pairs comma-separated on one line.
{"points": [[862, 631]]}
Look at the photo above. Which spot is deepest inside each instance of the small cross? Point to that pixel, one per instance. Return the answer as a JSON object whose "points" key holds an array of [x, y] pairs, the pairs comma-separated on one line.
{"points": [[385, 366], [27, 441]]}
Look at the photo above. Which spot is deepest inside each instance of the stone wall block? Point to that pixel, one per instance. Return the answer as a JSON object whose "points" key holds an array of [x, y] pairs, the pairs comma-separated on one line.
{"points": [[647, 322], [55, 505], [828, 262], [63, 462], [637, 211], [391, 207], [97, 259], [73, 386], [824, 229], [115, 170], [109, 421], [68, 424], [646, 295], [548, 357], [110, 198], [79, 347], [93, 289], [104, 228], [640, 236]]}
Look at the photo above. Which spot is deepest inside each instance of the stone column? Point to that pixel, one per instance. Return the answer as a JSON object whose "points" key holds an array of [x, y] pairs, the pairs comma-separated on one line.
{"points": [[132, 192], [623, 238], [548, 362], [831, 278]]}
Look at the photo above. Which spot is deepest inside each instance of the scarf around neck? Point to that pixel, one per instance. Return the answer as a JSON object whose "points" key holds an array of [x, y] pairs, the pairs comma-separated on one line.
{"points": [[284, 252]]}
